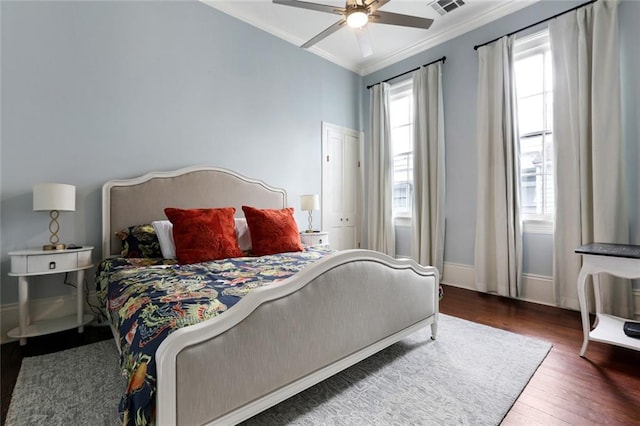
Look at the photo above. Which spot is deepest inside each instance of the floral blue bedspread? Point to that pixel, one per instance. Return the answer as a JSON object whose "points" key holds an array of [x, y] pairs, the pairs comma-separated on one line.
{"points": [[147, 299]]}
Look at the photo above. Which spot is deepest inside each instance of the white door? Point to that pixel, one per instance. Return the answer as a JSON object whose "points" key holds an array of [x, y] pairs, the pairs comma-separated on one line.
{"points": [[341, 186]]}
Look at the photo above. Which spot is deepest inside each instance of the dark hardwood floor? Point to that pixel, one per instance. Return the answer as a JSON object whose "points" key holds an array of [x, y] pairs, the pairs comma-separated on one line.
{"points": [[603, 388]]}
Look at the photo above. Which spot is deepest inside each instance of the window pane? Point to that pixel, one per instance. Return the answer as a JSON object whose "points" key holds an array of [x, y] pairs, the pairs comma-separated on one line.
{"points": [[403, 184], [530, 152], [529, 79], [402, 199], [530, 114], [400, 111], [401, 137], [531, 183], [402, 168], [549, 192], [536, 171]]}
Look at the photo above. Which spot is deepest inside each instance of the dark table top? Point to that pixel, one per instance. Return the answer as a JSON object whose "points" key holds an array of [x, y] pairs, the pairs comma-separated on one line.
{"points": [[608, 249]]}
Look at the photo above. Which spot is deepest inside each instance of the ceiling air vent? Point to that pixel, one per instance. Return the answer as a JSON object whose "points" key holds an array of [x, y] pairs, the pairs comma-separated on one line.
{"points": [[446, 6]]}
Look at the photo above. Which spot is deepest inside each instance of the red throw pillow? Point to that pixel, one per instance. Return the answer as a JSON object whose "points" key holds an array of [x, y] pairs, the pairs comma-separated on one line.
{"points": [[201, 235], [272, 231]]}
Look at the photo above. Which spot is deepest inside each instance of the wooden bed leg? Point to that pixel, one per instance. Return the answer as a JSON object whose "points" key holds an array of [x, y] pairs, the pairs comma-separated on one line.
{"points": [[434, 330]]}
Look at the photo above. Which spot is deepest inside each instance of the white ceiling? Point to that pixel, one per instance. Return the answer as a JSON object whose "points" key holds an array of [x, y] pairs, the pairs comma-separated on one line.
{"points": [[390, 43]]}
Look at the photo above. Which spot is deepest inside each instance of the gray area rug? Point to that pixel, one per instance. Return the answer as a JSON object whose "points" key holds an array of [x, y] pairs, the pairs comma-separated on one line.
{"points": [[470, 375]]}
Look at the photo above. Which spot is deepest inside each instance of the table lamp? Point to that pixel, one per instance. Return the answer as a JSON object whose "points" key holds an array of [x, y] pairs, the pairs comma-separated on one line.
{"points": [[310, 202], [54, 197]]}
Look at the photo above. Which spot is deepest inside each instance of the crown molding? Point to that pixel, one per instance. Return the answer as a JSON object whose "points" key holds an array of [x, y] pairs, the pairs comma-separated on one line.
{"points": [[501, 10]]}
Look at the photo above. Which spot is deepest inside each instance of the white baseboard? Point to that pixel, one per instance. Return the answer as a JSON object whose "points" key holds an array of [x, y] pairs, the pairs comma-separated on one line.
{"points": [[535, 288], [459, 275], [45, 308]]}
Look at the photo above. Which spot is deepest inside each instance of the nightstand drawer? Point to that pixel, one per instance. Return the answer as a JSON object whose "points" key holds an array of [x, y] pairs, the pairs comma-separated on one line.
{"points": [[40, 262], [315, 239], [50, 263]]}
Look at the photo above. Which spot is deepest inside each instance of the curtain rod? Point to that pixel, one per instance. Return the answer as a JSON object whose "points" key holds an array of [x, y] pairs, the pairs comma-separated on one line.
{"points": [[444, 58], [537, 23]]}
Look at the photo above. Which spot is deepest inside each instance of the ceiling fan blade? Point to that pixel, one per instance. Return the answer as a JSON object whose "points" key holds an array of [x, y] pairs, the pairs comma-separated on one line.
{"points": [[374, 5], [391, 18], [364, 41], [332, 29], [312, 6]]}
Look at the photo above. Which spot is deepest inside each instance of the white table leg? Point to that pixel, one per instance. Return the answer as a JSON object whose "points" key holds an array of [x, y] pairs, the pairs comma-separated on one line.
{"points": [[23, 307], [584, 308], [598, 298], [79, 300]]}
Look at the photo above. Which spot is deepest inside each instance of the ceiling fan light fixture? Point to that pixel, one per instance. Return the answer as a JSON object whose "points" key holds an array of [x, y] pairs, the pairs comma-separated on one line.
{"points": [[357, 17]]}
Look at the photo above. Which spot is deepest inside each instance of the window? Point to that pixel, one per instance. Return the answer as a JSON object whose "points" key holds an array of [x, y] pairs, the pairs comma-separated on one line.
{"points": [[401, 122], [534, 91]]}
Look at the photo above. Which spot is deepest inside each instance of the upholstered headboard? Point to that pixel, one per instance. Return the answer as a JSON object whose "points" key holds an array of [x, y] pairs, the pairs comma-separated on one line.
{"points": [[141, 200]]}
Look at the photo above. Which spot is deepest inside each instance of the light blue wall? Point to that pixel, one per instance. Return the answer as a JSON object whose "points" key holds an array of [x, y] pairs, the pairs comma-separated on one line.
{"points": [[93, 91], [459, 90]]}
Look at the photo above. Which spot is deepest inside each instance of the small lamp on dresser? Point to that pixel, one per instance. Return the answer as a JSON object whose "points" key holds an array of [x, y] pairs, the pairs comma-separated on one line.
{"points": [[310, 202], [54, 197]]}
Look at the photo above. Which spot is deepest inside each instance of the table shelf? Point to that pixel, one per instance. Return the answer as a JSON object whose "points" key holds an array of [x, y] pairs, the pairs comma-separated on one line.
{"points": [[609, 330], [38, 328]]}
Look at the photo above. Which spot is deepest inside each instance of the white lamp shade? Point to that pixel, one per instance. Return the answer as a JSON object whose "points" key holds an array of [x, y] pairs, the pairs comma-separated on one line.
{"points": [[310, 202], [54, 196]]}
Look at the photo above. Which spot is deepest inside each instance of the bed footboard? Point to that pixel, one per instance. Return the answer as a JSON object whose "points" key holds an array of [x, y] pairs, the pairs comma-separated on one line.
{"points": [[284, 338]]}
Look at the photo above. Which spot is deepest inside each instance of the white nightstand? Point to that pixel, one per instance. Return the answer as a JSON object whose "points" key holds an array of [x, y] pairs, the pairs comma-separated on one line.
{"points": [[315, 239], [28, 263]]}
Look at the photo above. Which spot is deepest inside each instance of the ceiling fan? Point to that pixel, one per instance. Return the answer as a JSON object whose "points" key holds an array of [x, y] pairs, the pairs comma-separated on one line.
{"points": [[356, 14]]}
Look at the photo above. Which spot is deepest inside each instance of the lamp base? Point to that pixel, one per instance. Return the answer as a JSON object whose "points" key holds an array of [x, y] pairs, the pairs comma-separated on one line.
{"points": [[48, 247]]}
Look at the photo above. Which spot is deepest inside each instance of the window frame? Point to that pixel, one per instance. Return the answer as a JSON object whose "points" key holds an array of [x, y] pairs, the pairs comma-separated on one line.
{"points": [[525, 47], [398, 90]]}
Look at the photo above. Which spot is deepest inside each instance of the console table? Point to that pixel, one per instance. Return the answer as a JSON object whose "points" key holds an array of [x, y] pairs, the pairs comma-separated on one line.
{"points": [[621, 260]]}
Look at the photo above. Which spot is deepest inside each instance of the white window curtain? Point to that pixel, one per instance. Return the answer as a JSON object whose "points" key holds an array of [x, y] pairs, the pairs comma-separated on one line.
{"points": [[428, 167], [498, 245], [380, 184], [590, 192]]}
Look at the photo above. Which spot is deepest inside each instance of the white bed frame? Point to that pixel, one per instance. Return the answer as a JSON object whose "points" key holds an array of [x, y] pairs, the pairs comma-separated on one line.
{"points": [[280, 339]]}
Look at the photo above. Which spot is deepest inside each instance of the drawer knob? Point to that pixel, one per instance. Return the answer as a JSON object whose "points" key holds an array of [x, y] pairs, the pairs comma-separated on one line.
{"points": [[52, 265]]}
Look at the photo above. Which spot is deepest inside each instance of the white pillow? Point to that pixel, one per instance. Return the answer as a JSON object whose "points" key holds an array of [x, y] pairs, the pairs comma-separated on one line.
{"points": [[242, 232], [164, 230]]}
